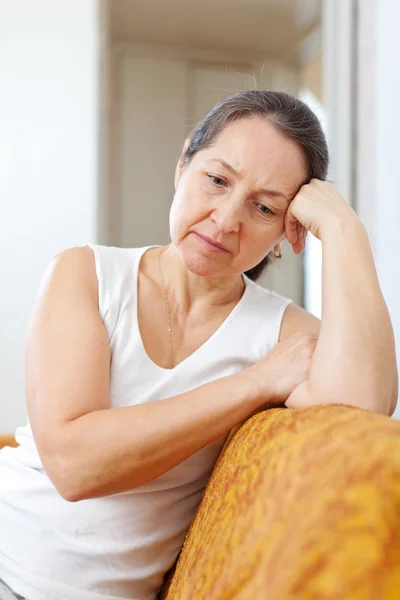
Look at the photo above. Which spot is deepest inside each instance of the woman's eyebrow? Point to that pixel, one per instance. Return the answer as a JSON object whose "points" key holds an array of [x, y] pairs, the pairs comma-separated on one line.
{"points": [[267, 191], [224, 164]]}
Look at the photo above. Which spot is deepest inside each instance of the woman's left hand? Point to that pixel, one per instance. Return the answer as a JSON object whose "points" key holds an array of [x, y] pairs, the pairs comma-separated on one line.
{"points": [[316, 205]]}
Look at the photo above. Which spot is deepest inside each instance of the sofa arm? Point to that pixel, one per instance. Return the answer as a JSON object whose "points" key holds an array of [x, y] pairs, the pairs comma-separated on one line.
{"points": [[7, 440], [302, 504]]}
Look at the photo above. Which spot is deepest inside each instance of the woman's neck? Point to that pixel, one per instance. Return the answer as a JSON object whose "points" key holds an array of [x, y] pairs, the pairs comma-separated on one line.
{"points": [[194, 292]]}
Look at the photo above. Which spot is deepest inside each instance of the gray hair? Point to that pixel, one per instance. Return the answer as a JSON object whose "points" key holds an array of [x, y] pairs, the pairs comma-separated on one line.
{"points": [[290, 116]]}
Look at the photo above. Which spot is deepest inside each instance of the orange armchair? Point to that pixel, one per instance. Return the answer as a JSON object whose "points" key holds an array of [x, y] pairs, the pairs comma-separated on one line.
{"points": [[303, 504]]}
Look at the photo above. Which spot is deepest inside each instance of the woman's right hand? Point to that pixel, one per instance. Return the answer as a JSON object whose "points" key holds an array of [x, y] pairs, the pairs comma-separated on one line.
{"points": [[286, 366]]}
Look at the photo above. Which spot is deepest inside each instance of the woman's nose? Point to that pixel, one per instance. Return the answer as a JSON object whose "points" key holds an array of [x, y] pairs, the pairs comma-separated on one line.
{"points": [[227, 217]]}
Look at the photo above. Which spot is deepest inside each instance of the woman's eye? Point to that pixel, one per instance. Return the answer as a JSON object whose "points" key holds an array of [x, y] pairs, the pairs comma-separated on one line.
{"points": [[265, 210], [217, 180]]}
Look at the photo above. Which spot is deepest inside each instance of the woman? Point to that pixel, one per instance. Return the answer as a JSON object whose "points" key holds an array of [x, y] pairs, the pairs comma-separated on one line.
{"points": [[141, 361]]}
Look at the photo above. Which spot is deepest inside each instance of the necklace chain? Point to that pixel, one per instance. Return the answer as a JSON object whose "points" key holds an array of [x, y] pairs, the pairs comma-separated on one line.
{"points": [[171, 362]]}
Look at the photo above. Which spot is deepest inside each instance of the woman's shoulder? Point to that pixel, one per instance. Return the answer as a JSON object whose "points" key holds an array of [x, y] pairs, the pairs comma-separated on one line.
{"points": [[94, 261], [265, 295], [298, 320], [114, 263], [74, 265], [262, 312], [295, 319], [108, 269], [114, 253], [89, 253]]}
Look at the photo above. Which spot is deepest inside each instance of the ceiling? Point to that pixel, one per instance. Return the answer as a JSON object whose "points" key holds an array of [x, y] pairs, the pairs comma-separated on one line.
{"points": [[270, 27]]}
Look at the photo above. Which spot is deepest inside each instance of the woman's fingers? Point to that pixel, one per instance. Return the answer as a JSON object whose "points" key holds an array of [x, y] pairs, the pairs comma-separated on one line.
{"points": [[298, 244], [295, 233], [298, 248], [291, 229]]}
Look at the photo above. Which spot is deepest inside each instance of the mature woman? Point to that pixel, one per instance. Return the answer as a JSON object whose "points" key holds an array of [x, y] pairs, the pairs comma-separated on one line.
{"points": [[141, 361]]}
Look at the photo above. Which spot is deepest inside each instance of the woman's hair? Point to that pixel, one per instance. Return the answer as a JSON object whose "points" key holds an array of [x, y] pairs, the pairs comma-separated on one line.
{"points": [[290, 116]]}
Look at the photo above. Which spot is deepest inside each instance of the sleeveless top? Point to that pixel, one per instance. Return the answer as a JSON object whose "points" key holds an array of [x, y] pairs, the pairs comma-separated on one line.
{"points": [[120, 546]]}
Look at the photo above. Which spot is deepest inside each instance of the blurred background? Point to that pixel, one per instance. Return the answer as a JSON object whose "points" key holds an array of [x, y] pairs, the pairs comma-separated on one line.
{"points": [[98, 96]]}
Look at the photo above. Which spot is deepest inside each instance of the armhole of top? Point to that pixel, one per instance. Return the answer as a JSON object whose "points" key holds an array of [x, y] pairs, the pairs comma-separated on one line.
{"points": [[111, 280], [99, 276], [279, 319]]}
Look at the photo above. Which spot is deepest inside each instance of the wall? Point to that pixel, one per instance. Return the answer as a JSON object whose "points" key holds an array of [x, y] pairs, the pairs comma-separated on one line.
{"points": [[378, 87], [311, 76], [366, 119], [387, 164], [49, 61]]}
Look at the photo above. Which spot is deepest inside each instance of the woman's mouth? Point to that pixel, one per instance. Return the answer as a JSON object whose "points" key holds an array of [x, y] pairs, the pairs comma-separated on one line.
{"points": [[210, 243]]}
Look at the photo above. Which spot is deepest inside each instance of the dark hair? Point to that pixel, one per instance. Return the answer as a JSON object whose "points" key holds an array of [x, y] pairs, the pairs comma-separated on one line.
{"points": [[289, 115]]}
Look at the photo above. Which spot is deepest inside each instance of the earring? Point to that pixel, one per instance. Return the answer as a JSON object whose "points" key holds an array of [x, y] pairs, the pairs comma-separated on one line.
{"points": [[279, 255]]}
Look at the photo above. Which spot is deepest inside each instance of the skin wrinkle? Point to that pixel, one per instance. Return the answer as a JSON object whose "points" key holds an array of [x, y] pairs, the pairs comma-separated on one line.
{"points": [[266, 191]]}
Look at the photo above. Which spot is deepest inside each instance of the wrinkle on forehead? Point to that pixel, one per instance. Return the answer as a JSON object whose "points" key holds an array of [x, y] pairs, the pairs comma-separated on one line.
{"points": [[258, 151]]}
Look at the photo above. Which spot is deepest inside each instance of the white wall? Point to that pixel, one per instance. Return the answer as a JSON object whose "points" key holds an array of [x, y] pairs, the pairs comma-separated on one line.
{"points": [[378, 200], [49, 63], [151, 133], [387, 224], [366, 114]]}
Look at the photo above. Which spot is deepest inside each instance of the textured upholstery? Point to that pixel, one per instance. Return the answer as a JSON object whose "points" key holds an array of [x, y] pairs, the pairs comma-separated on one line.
{"points": [[7, 440], [302, 504]]}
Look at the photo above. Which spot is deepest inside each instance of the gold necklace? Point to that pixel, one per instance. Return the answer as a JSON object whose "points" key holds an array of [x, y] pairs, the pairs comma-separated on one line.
{"points": [[171, 362]]}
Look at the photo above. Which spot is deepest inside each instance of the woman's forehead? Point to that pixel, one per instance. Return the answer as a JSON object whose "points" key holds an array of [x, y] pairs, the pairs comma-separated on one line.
{"points": [[254, 134], [256, 146]]}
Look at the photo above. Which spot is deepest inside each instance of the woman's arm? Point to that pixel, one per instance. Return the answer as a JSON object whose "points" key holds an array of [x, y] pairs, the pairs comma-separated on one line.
{"points": [[354, 361], [87, 448]]}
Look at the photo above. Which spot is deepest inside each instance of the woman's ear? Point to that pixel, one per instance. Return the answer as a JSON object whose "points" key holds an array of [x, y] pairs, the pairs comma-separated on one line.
{"points": [[180, 165]]}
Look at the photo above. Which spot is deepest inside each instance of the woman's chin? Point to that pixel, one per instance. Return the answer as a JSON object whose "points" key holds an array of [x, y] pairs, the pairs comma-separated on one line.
{"points": [[201, 261], [202, 266]]}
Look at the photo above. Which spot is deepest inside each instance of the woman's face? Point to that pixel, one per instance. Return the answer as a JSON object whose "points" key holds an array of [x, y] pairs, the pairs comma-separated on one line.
{"points": [[235, 193]]}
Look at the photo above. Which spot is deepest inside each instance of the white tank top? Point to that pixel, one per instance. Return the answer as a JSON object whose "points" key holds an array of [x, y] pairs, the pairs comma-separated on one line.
{"points": [[121, 546]]}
